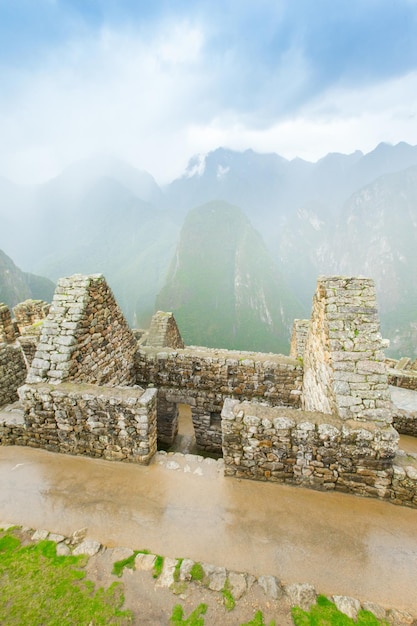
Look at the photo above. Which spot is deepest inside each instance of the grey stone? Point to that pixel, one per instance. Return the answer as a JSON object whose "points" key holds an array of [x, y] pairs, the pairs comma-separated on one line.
{"points": [[301, 594], [40, 535], [376, 609], [166, 578], [88, 547], [56, 538], [270, 586], [238, 584], [185, 569], [399, 618], [216, 575], [63, 550], [145, 562], [348, 606]]}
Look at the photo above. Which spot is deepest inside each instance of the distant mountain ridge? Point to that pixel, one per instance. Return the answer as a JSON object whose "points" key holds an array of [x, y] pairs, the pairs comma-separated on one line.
{"points": [[344, 214]]}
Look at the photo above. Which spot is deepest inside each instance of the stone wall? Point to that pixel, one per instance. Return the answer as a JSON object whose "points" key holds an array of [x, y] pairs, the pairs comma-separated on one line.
{"points": [[163, 332], [203, 378], [7, 331], [344, 369], [12, 372], [116, 423], [85, 337], [407, 379], [29, 343], [299, 338], [29, 316], [316, 450]]}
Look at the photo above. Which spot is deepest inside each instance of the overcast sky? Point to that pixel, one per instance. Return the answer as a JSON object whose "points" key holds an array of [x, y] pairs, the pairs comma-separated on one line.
{"points": [[154, 81]]}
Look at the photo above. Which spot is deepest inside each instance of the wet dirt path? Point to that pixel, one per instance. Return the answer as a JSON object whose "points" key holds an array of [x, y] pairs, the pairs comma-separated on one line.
{"points": [[183, 506]]}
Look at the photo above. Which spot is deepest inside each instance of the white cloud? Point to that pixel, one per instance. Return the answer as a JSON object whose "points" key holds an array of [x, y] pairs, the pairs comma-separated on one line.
{"points": [[116, 94], [156, 98], [339, 121]]}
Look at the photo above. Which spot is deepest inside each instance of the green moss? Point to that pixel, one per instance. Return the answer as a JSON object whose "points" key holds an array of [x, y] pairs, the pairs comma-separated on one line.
{"points": [[228, 599], [194, 618], [118, 566], [177, 570], [258, 620], [197, 572], [157, 566], [325, 613], [39, 587]]}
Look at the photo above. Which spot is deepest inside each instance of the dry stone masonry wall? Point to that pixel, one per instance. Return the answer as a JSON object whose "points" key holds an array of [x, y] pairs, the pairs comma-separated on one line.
{"points": [[12, 372], [85, 337], [81, 395], [116, 423], [29, 316], [203, 378], [163, 332], [344, 368], [7, 331], [308, 449], [299, 338]]}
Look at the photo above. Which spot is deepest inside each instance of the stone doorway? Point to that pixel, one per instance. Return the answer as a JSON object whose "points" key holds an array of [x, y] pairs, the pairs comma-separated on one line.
{"points": [[184, 441]]}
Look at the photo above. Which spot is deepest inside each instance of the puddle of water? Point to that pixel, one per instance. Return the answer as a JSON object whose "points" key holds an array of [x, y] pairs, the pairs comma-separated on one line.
{"points": [[342, 544], [408, 444]]}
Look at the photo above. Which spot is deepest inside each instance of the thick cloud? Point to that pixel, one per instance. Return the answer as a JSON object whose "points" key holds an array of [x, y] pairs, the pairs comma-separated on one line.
{"points": [[154, 84]]}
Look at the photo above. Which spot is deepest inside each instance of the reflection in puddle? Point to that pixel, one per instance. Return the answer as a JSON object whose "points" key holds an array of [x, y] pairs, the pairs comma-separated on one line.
{"points": [[341, 544]]}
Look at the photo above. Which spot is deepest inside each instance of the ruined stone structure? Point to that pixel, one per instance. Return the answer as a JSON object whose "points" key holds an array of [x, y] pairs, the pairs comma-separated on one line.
{"points": [[203, 378], [85, 338], [12, 362], [29, 315], [7, 331], [163, 332], [344, 369], [299, 338], [80, 395], [116, 423], [322, 418]]}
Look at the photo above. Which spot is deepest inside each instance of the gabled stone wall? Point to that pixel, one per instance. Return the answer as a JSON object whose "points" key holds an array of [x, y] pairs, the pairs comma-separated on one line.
{"points": [[163, 332], [85, 337]]}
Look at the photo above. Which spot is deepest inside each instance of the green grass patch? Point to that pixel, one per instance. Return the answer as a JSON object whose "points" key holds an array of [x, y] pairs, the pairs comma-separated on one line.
{"points": [[118, 566], [197, 572], [39, 587], [325, 613], [258, 620], [157, 566], [177, 570], [228, 599], [194, 618]]}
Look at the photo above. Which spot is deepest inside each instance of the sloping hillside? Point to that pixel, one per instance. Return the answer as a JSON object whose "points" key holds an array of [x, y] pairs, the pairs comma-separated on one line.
{"points": [[223, 286]]}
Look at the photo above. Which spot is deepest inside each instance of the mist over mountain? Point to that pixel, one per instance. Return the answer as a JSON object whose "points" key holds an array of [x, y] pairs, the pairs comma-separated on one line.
{"points": [[97, 217], [17, 286], [223, 286], [348, 214]]}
